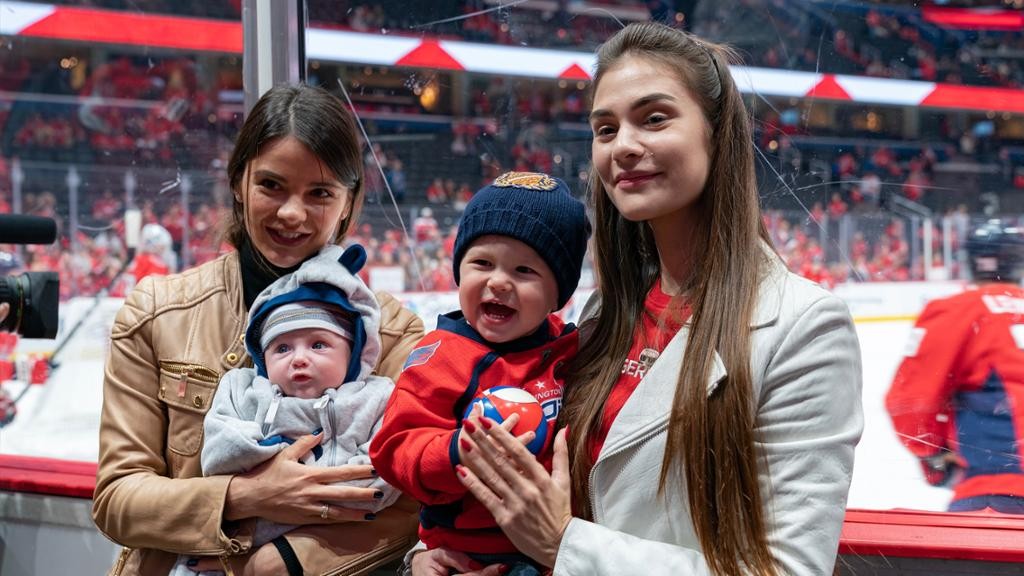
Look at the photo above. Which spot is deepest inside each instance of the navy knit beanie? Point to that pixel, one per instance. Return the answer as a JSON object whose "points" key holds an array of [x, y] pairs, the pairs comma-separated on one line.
{"points": [[535, 209]]}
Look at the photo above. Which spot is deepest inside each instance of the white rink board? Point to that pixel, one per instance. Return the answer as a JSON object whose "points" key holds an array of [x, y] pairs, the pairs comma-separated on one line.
{"points": [[61, 418], [885, 474]]}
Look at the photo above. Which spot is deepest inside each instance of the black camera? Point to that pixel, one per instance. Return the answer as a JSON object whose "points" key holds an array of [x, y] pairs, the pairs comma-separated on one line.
{"points": [[33, 296]]}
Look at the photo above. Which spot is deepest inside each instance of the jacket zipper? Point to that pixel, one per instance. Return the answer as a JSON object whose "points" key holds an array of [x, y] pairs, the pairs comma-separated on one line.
{"points": [[635, 445], [122, 559], [268, 418], [195, 371], [327, 417]]}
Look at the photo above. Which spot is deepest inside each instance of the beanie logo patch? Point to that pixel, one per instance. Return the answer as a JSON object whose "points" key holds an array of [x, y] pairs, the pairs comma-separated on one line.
{"points": [[528, 180], [421, 355]]}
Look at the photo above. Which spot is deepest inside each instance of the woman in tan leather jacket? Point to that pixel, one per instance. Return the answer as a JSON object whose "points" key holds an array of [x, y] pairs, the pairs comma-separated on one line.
{"points": [[296, 175]]}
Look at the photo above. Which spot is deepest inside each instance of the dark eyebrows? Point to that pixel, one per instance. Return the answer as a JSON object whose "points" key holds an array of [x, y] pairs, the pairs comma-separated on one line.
{"points": [[639, 103], [264, 173]]}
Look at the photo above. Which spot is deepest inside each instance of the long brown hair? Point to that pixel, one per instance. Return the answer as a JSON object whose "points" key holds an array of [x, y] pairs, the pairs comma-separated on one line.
{"points": [[312, 116], [710, 438]]}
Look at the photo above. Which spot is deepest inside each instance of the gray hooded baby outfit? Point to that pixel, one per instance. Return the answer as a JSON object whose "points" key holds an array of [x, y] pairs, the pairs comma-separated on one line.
{"points": [[250, 420]]}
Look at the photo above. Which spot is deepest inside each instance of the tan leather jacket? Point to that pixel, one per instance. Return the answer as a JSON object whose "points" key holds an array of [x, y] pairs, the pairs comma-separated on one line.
{"points": [[170, 343]]}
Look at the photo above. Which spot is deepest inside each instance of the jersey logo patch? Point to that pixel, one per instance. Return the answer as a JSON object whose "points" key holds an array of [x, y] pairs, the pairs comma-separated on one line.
{"points": [[419, 356], [914, 342], [528, 180], [551, 409]]}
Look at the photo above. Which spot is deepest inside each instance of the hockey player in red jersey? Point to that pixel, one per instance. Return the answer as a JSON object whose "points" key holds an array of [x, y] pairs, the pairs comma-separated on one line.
{"points": [[517, 259], [957, 400]]}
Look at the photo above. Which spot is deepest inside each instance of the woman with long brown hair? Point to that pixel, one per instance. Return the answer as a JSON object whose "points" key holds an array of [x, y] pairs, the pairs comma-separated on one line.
{"points": [[713, 410]]}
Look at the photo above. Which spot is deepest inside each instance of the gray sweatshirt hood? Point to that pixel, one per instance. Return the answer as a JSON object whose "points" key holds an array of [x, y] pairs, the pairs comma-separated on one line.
{"points": [[329, 277]]}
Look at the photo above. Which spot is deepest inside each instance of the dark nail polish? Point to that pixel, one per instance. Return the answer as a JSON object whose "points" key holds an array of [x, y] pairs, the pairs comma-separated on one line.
{"points": [[317, 431], [192, 562], [465, 445], [370, 516], [378, 494], [461, 470], [469, 426], [486, 422], [373, 472]]}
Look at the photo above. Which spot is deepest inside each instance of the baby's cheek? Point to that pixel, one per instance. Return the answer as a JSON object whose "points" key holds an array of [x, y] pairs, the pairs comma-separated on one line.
{"points": [[277, 369]]}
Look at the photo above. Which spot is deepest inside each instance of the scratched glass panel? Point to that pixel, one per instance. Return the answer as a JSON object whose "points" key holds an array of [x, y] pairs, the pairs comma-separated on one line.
{"points": [[885, 134]]}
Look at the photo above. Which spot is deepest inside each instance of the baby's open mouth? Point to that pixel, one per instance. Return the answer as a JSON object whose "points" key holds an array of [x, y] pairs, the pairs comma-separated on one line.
{"points": [[496, 310]]}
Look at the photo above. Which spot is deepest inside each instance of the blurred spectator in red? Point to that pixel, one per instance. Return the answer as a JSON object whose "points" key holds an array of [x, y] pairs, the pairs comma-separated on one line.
{"points": [[436, 193], [152, 258], [858, 246], [817, 213], [424, 228], [106, 208], [462, 196], [915, 184], [174, 221], [836, 206], [846, 165]]}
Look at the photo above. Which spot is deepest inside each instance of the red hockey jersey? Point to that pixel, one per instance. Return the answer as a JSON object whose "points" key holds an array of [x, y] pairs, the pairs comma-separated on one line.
{"points": [[961, 386], [415, 449]]}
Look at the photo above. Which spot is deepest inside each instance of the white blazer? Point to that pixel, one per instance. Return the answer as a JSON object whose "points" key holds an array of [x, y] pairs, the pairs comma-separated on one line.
{"points": [[806, 372]]}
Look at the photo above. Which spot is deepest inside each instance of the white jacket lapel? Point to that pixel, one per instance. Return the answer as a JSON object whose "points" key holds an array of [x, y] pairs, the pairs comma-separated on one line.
{"points": [[648, 409]]}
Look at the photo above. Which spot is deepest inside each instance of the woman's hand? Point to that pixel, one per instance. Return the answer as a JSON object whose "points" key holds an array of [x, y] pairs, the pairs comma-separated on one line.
{"points": [[440, 561], [468, 426], [265, 561], [283, 490], [531, 506]]}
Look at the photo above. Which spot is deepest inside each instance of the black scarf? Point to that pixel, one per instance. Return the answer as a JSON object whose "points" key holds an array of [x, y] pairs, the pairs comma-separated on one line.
{"points": [[257, 272]]}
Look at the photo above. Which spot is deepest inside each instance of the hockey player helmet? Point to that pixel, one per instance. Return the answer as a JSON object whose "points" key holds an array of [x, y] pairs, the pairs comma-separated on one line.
{"points": [[996, 252]]}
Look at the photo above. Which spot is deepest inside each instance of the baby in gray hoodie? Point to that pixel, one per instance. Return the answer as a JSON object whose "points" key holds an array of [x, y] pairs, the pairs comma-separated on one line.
{"points": [[313, 336]]}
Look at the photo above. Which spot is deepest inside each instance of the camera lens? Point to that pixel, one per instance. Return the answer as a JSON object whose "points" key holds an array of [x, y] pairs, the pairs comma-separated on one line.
{"points": [[34, 297], [10, 292]]}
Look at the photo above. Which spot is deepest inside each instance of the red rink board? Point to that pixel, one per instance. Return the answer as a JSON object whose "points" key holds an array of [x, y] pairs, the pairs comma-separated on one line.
{"points": [[984, 536], [987, 536], [47, 476]]}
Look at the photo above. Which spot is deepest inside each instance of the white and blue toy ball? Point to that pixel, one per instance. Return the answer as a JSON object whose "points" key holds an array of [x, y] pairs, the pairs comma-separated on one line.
{"points": [[501, 402]]}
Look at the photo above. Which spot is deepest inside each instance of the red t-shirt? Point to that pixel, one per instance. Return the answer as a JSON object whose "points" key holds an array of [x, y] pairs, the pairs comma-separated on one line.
{"points": [[659, 322]]}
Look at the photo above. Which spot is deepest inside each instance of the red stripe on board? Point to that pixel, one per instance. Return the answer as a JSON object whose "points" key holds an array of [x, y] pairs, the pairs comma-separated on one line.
{"points": [[112, 27], [974, 19], [47, 476], [985, 536], [975, 98], [574, 72], [982, 536], [429, 54], [830, 89]]}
